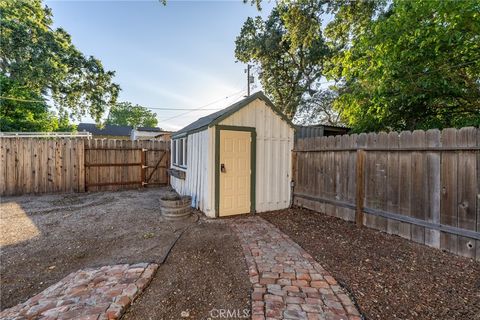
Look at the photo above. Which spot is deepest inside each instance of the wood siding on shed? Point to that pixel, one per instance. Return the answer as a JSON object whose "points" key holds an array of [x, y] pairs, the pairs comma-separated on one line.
{"points": [[197, 182], [275, 139]]}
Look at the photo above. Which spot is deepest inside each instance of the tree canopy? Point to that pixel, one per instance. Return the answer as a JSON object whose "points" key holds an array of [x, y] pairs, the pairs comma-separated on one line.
{"points": [[40, 62], [28, 111], [127, 114], [396, 65], [291, 61]]}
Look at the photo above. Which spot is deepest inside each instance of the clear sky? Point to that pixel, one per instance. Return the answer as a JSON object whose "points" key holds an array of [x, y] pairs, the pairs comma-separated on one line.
{"points": [[176, 56]]}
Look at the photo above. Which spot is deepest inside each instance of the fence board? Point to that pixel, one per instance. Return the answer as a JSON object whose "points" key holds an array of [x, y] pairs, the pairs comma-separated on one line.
{"points": [[21, 166], [466, 197], [330, 175], [370, 167], [75, 172], [58, 165], [67, 164], [381, 180], [393, 182], [2, 166], [338, 169], [418, 188], [422, 186], [44, 166], [352, 164], [50, 166], [448, 204], [81, 166], [405, 170], [432, 237], [318, 175], [477, 243], [10, 160]]}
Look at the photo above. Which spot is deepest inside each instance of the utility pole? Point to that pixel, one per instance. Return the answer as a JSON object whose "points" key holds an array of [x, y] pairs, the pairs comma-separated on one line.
{"points": [[248, 79]]}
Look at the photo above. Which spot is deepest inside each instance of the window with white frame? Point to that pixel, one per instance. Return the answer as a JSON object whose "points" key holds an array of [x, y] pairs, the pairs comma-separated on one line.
{"points": [[179, 152]]}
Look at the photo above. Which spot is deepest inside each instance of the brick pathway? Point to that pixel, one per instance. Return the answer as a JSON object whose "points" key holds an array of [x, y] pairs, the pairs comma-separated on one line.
{"points": [[88, 294], [287, 282]]}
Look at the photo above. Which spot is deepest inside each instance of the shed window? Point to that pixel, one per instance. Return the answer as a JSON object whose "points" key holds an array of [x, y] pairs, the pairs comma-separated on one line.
{"points": [[179, 152], [174, 151]]}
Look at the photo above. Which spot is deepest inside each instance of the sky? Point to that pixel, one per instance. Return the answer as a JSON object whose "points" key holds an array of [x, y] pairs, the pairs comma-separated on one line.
{"points": [[176, 56]]}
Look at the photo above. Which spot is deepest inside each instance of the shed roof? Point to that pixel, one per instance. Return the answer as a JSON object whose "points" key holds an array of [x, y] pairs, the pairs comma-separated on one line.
{"points": [[214, 118], [108, 130]]}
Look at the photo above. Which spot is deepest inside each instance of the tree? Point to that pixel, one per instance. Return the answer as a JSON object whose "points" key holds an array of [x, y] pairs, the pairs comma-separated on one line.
{"points": [[396, 64], [414, 65], [127, 114], [28, 111], [319, 109], [43, 63], [290, 60]]}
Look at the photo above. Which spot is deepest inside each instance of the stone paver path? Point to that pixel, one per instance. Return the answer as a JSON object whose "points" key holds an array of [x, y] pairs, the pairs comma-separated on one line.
{"points": [[287, 282], [88, 294]]}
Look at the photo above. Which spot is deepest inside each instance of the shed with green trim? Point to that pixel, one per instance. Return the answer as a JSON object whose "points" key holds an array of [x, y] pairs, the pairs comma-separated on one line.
{"points": [[236, 160]]}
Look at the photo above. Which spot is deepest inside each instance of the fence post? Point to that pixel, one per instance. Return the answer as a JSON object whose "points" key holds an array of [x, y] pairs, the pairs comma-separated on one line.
{"points": [[360, 187], [81, 164], [293, 177]]}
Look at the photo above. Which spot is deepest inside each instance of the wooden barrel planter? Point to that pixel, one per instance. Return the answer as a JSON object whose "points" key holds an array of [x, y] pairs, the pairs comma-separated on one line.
{"points": [[174, 207]]}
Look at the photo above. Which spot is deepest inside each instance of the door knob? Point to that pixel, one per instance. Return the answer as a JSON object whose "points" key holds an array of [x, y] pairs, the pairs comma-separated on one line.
{"points": [[222, 168]]}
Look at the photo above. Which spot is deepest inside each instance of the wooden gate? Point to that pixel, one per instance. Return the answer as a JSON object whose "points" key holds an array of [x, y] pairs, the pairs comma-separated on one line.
{"points": [[123, 164]]}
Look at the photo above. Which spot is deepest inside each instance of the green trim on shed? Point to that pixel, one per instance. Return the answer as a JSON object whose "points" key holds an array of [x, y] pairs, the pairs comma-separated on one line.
{"points": [[253, 164]]}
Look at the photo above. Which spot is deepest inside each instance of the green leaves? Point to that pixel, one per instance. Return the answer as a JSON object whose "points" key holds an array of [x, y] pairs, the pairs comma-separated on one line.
{"points": [[43, 60], [27, 111], [416, 66], [290, 53], [127, 114], [397, 65]]}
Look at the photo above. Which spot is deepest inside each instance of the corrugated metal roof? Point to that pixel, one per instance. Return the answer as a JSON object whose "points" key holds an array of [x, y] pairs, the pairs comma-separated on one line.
{"points": [[319, 130], [216, 117], [108, 130]]}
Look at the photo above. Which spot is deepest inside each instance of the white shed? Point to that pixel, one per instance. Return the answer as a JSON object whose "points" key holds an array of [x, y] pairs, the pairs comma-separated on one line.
{"points": [[236, 160]]}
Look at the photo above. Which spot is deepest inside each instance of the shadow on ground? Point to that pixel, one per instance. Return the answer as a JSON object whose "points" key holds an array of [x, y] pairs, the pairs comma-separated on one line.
{"points": [[46, 237]]}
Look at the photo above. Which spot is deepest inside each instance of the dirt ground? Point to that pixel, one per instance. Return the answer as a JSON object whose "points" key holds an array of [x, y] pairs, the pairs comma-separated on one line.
{"points": [[44, 238], [389, 277], [205, 274]]}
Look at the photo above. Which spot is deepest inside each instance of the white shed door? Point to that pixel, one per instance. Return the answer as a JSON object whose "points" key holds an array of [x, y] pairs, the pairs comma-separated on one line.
{"points": [[235, 169]]}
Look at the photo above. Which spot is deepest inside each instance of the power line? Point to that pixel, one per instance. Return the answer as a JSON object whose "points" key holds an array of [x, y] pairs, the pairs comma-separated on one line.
{"points": [[202, 107]]}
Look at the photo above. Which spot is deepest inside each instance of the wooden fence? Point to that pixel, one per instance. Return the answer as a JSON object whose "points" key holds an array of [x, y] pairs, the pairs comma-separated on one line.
{"points": [[30, 165], [123, 164], [423, 186], [46, 165]]}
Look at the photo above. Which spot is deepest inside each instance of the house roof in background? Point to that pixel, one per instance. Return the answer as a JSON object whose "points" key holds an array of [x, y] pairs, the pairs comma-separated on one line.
{"points": [[151, 129], [218, 116], [108, 130]]}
